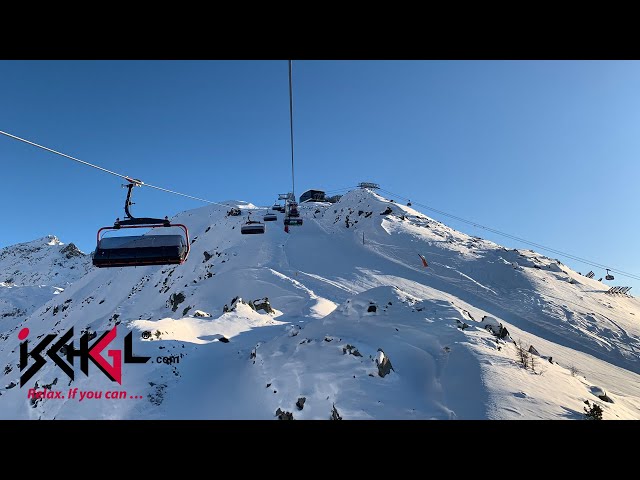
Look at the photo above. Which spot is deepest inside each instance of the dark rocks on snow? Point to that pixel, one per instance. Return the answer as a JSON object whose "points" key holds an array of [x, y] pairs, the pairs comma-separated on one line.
{"points": [[372, 308], [284, 415], [351, 350], [71, 251], [533, 350], [462, 325], [236, 300], [387, 211], [334, 413], [176, 299], [207, 256], [503, 332], [263, 304], [384, 366], [223, 339], [300, 403]]}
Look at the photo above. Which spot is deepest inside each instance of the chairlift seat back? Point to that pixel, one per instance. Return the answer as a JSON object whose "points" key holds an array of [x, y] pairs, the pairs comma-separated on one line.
{"points": [[140, 250], [252, 228]]}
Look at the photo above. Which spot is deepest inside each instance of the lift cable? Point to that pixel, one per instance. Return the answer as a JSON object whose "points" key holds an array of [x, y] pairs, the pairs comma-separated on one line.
{"points": [[513, 237], [128, 179]]}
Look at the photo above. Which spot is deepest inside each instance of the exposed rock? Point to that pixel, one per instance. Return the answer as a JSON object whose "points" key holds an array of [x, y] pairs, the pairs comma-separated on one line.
{"points": [[372, 309], [334, 413], [71, 251], [284, 415], [533, 350], [264, 305], [176, 299], [383, 363], [200, 313], [351, 350], [462, 325]]}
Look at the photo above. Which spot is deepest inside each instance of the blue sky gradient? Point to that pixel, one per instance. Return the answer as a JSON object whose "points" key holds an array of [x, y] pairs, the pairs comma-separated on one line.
{"points": [[544, 150]]}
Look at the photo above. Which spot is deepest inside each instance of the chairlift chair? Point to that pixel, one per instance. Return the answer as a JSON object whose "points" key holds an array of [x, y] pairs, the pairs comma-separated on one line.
{"points": [[252, 227], [292, 221], [270, 217], [140, 250], [291, 209], [609, 276], [292, 214]]}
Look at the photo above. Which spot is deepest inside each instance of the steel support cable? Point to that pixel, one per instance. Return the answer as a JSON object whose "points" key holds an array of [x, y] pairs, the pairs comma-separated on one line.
{"points": [[293, 182], [127, 178], [513, 237]]}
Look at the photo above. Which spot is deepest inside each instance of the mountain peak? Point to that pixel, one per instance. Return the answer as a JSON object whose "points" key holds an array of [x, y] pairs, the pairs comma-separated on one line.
{"points": [[52, 240]]}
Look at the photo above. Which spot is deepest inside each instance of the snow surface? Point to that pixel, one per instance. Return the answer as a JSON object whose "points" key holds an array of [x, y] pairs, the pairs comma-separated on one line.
{"points": [[32, 273], [346, 286]]}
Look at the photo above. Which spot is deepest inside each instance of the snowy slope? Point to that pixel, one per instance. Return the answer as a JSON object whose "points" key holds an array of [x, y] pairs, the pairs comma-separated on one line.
{"points": [[321, 280], [46, 261], [32, 273]]}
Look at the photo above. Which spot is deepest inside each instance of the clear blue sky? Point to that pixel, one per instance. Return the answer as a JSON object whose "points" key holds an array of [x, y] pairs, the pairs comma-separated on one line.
{"points": [[545, 150]]}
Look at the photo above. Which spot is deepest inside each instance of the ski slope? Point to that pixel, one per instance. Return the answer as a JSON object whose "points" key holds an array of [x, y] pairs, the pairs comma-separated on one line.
{"points": [[349, 280]]}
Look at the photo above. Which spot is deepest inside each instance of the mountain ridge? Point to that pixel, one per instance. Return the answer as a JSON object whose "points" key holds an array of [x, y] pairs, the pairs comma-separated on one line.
{"points": [[363, 250]]}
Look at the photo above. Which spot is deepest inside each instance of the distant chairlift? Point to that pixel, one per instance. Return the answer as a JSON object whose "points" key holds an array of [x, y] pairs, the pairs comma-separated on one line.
{"points": [[609, 276], [252, 227], [270, 217], [292, 214], [140, 250], [293, 221]]}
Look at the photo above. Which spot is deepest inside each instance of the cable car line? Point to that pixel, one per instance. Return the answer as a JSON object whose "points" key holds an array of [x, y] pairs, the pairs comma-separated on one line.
{"points": [[127, 178], [513, 237], [293, 182]]}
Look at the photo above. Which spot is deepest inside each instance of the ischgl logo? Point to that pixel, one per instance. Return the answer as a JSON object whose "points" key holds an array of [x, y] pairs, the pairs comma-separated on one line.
{"points": [[63, 354]]}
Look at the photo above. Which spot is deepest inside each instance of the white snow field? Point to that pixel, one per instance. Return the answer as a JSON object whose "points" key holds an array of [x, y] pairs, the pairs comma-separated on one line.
{"points": [[32, 273], [359, 329]]}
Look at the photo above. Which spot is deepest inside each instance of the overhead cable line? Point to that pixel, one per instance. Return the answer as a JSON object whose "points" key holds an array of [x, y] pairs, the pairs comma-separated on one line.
{"points": [[513, 237], [128, 179], [293, 182], [340, 189]]}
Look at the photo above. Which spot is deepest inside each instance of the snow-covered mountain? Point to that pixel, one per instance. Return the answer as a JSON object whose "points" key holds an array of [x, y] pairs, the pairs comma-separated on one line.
{"points": [[32, 273], [339, 318], [43, 262]]}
